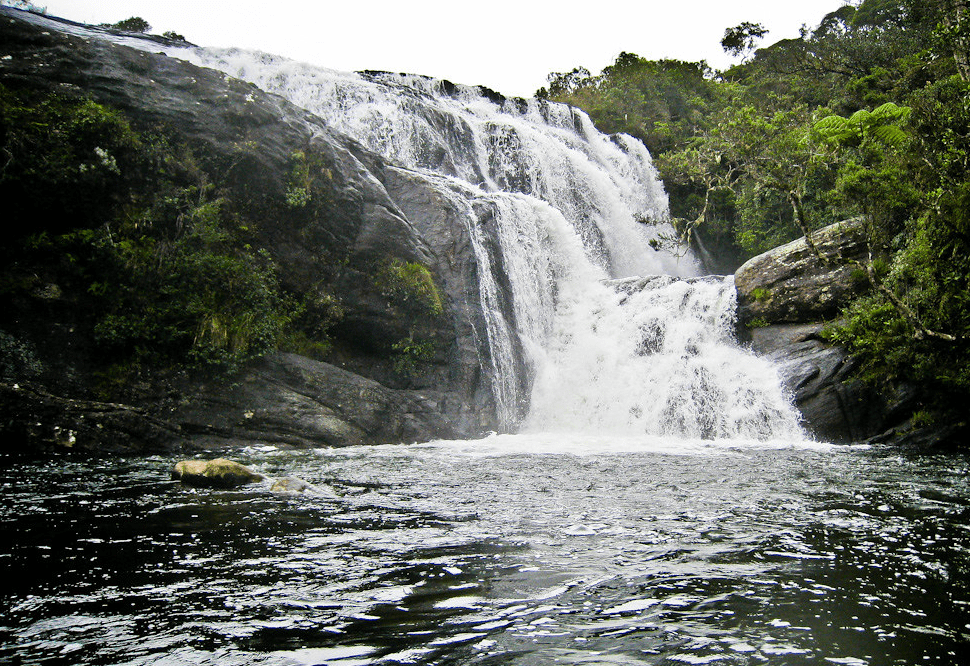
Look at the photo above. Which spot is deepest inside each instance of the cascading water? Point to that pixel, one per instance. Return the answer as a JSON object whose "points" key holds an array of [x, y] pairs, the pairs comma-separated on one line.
{"points": [[573, 211]]}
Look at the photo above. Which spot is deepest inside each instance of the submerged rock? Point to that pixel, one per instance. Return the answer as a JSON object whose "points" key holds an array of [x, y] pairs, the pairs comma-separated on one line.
{"points": [[218, 473], [294, 484]]}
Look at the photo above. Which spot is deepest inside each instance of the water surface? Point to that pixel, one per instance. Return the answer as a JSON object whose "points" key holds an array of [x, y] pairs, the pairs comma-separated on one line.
{"points": [[513, 550]]}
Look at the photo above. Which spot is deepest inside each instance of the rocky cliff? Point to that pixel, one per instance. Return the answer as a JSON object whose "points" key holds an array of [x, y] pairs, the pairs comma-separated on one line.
{"points": [[786, 298], [333, 219]]}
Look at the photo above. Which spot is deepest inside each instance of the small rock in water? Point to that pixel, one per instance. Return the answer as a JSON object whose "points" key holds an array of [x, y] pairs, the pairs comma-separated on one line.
{"points": [[294, 484], [218, 473]]}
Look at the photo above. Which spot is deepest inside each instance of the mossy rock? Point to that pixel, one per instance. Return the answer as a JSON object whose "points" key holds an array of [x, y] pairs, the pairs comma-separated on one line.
{"points": [[218, 473]]}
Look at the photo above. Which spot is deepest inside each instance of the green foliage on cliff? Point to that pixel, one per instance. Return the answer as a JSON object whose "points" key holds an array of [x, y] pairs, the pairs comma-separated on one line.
{"points": [[411, 283], [145, 250], [410, 287], [867, 114], [196, 296]]}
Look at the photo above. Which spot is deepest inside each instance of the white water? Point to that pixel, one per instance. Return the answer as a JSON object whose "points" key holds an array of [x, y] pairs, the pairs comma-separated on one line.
{"points": [[649, 357], [574, 212]]}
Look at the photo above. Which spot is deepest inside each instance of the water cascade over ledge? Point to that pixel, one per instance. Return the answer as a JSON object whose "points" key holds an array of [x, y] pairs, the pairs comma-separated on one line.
{"points": [[561, 218]]}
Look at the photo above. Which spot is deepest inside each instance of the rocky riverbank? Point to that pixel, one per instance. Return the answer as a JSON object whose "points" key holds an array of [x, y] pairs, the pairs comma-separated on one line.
{"points": [[786, 299]]}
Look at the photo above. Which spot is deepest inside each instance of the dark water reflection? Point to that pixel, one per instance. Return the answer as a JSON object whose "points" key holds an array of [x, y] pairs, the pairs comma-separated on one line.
{"points": [[435, 555]]}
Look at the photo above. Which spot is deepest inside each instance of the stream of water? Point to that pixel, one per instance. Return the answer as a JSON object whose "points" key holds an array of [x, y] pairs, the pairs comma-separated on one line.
{"points": [[519, 549]]}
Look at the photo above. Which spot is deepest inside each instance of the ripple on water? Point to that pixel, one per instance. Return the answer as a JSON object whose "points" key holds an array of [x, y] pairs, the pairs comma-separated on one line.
{"points": [[441, 555]]}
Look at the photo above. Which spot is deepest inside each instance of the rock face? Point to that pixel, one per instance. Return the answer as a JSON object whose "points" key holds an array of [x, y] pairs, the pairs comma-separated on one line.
{"points": [[51, 423], [363, 213], [785, 296], [835, 405], [289, 400], [790, 285]]}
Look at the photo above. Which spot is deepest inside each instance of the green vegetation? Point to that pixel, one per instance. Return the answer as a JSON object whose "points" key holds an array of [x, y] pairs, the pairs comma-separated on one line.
{"points": [[760, 294], [410, 283], [133, 24], [138, 245], [410, 286], [411, 354], [867, 115]]}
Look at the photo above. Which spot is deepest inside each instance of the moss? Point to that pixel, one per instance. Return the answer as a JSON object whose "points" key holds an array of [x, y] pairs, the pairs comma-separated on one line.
{"points": [[218, 473], [411, 283], [760, 294]]}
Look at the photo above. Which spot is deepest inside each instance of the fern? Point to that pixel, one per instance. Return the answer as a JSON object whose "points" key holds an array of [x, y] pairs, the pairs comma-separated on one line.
{"points": [[881, 125]]}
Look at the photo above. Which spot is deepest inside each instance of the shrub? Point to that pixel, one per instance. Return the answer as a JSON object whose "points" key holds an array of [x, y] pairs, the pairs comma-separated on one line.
{"points": [[410, 354], [154, 257], [133, 24], [411, 283]]}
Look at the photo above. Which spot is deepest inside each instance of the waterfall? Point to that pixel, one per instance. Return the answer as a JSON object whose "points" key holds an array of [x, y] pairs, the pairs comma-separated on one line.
{"points": [[656, 355], [568, 214]]}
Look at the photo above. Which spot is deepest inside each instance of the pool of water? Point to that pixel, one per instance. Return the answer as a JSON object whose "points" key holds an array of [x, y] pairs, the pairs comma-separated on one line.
{"points": [[512, 550]]}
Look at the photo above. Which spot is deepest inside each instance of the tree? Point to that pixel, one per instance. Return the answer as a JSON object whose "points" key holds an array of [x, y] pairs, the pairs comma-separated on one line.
{"points": [[956, 31], [742, 38], [133, 24], [563, 83]]}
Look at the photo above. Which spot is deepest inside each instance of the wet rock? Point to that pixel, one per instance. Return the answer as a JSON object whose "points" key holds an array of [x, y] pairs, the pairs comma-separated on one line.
{"points": [[785, 299], [362, 212], [32, 419], [836, 406], [789, 284], [290, 400], [218, 473], [294, 484]]}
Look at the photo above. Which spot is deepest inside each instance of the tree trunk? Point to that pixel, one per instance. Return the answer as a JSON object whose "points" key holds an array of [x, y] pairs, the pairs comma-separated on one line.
{"points": [[956, 19]]}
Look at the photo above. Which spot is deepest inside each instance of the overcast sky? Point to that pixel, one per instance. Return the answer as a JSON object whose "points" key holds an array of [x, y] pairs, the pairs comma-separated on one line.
{"points": [[507, 45]]}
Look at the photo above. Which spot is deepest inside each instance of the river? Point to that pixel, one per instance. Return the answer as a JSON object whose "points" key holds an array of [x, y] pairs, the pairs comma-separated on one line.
{"points": [[517, 549]]}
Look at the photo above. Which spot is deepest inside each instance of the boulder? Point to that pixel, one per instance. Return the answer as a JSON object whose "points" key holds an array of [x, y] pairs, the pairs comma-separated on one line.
{"points": [[218, 473], [786, 297], [789, 284]]}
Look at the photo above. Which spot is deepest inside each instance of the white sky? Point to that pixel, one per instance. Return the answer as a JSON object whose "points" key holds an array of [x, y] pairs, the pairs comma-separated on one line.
{"points": [[507, 45]]}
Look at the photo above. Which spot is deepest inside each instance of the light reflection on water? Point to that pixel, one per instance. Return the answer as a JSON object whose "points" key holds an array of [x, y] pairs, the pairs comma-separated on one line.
{"points": [[515, 550]]}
